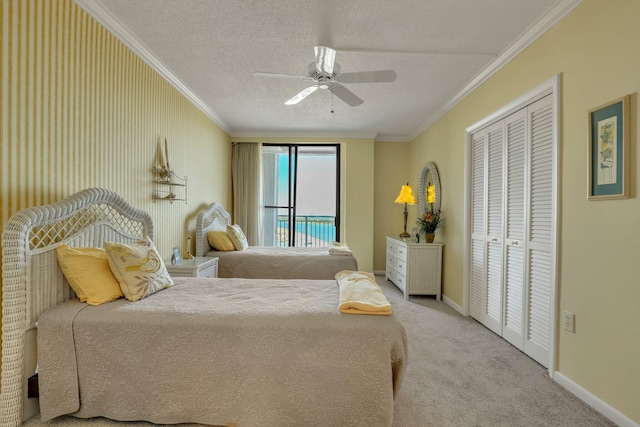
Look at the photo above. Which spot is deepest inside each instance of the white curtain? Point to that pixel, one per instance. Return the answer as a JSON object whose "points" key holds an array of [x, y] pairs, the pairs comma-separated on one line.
{"points": [[246, 173]]}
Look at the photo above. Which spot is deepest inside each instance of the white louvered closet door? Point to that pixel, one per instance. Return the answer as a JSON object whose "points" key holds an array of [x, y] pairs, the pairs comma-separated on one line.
{"points": [[478, 269], [486, 227], [493, 298], [541, 231], [514, 243]]}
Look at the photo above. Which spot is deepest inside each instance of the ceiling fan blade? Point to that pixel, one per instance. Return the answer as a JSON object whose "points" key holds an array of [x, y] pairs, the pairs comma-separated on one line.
{"points": [[302, 95], [325, 58], [346, 95], [284, 76], [381, 76]]}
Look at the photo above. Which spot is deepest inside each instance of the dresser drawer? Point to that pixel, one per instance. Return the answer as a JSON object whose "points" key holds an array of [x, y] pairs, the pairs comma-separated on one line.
{"points": [[400, 281], [401, 252], [391, 272], [209, 272], [391, 247], [401, 266]]}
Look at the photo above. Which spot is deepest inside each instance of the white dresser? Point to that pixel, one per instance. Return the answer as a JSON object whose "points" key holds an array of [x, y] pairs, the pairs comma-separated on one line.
{"points": [[415, 268]]}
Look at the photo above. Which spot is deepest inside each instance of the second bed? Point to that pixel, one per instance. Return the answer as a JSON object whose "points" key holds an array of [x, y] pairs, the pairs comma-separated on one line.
{"points": [[267, 262]]}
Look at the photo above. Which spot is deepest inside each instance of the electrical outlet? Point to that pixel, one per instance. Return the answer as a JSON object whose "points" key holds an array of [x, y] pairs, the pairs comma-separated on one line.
{"points": [[569, 321]]}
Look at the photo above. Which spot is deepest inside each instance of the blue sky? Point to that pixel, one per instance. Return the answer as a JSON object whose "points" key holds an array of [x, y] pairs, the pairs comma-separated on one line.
{"points": [[316, 184]]}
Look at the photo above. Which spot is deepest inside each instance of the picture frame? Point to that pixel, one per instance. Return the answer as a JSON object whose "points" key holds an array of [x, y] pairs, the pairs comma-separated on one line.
{"points": [[175, 256], [609, 151]]}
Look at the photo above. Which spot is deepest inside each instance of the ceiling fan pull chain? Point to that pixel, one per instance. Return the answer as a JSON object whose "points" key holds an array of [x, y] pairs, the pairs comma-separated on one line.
{"points": [[331, 99]]}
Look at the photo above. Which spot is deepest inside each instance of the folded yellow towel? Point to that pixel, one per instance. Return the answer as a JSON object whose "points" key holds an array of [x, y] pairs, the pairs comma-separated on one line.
{"points": [[337, 248], [360, 294]]}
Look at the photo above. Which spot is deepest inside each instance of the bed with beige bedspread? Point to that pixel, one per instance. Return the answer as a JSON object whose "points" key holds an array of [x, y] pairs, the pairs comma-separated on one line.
{"points": [[267, 262], [282, 263], [215, 351]]}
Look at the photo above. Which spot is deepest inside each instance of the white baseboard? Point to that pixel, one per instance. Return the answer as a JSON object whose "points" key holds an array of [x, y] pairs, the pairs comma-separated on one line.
{"points": [[453, 304], [604, 408], [379, 273]]}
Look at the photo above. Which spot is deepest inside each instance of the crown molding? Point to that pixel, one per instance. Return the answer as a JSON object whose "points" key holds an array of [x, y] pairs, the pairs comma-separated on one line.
{"points": [[100, 13], [306, 135], [555, 14], [393, 138]]}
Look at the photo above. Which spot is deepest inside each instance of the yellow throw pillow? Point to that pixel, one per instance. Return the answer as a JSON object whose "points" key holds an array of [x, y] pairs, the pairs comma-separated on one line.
{"points": [[88, 273], [138, 268], [237, 237], [220, 240]]}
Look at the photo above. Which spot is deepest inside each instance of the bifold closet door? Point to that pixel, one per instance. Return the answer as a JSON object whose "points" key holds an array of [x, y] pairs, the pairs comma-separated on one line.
{"points": [[515, 218], [478, 259], [495, 221], [487, 227], [512, 227], [541, 231]]}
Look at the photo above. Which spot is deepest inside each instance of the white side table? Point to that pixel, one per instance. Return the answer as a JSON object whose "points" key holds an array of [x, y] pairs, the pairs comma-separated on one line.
{"points": [[195, 267]]}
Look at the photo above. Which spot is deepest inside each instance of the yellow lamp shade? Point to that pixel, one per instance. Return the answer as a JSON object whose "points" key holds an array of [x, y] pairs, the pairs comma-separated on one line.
{"points": [[406, 195]]}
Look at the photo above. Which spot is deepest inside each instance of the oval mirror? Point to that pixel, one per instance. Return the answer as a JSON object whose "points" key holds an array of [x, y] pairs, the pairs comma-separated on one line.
{"points": [[429, 190]]}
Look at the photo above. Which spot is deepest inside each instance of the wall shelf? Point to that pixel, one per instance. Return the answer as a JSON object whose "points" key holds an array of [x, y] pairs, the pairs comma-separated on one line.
{"points": [[169, 187]]}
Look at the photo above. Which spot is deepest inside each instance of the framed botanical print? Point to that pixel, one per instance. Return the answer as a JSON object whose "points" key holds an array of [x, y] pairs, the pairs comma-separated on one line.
{"points": [[609, 150]]}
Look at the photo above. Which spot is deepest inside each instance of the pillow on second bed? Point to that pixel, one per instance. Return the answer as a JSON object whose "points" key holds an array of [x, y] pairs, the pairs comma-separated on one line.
{"points": [[88, 273], [237, 237], [220, 240], [138, 268]]}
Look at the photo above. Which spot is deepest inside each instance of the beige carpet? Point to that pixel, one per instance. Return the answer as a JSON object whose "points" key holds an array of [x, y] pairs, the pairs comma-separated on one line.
{"points": [[459, 374]]}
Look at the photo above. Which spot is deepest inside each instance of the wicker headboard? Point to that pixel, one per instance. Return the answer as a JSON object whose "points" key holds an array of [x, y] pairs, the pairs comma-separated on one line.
{"points": [[32, 281], [213, 217]]}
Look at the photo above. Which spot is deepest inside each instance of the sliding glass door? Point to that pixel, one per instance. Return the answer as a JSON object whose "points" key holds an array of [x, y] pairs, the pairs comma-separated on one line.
{"points": [[301, 194]]}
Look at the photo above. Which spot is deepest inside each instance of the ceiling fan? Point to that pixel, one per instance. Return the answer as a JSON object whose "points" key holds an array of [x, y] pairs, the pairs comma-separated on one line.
{"points": [[325, 74]]}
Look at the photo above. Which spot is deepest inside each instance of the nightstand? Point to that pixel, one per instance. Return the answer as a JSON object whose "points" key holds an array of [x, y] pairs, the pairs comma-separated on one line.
{"points": [[195, 267]]}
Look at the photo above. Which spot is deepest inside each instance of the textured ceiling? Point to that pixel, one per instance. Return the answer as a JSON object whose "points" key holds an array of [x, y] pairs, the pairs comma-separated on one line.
{"points": [[438, 48]]}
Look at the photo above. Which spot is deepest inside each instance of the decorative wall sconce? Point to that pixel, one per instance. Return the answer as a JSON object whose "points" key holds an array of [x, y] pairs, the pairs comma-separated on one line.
{"points": [[166, 179], [164, 170]]}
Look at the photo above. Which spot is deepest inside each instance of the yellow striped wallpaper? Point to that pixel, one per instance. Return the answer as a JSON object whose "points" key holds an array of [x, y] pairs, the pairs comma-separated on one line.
{"points": [[79, 109]]}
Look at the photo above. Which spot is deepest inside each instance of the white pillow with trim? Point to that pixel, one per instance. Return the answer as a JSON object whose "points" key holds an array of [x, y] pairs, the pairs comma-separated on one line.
{"points": [[237, 237], [138, 268]]}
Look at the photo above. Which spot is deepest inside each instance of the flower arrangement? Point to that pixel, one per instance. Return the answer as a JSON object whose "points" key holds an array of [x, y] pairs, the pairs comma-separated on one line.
{"points": [[429, 222]]}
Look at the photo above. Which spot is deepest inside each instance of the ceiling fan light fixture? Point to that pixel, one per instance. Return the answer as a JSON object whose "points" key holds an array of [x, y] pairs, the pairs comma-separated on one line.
{"points": [[325, 58]]}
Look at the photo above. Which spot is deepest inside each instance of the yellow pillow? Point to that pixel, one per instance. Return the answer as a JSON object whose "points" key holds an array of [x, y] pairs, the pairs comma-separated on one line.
{"points": [[138, 268], [237, 237], [87, 271], [220, 240]]}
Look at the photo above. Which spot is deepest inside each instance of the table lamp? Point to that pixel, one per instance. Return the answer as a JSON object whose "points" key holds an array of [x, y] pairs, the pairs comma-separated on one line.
{"points": [[406, 197]]}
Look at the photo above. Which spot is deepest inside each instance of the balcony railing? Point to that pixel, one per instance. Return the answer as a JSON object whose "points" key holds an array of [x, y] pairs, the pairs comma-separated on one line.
{"points": [[311, 231]]}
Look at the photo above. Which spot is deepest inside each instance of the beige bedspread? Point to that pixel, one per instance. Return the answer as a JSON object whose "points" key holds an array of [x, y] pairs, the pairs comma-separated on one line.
{"points": [[214, 351], [282, 263]]}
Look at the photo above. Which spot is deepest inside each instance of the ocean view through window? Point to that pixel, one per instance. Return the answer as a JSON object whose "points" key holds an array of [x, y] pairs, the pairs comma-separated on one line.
{"points": [[301, 194]]}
